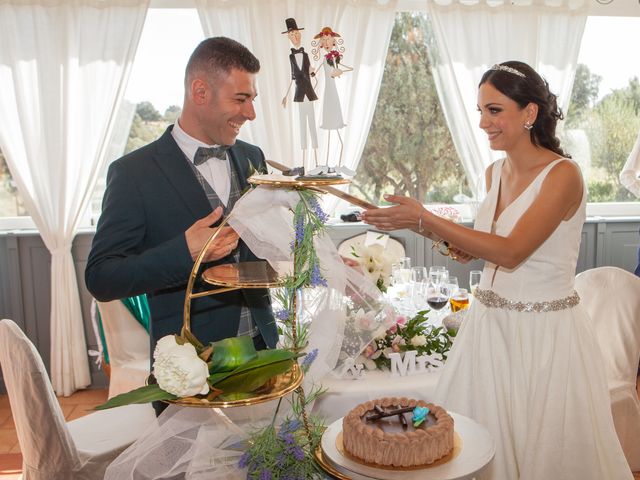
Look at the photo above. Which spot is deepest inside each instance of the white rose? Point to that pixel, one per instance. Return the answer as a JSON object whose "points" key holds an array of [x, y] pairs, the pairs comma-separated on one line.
{"points": [[418, 341], [178, 369]]}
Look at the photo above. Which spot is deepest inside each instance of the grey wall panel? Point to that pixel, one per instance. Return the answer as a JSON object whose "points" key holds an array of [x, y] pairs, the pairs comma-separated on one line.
{"points": [[621, 245]]}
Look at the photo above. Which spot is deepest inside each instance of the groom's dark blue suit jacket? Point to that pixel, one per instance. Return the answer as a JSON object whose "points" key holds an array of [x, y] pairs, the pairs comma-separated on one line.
{"points": [[152, 197]]}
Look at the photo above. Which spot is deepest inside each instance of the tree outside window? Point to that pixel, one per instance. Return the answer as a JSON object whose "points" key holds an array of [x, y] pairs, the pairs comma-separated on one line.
{"points": [[601, 133], [409, 150]]}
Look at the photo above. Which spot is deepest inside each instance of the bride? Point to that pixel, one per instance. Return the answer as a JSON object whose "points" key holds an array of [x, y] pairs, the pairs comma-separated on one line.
{"points": [[524, 363]]}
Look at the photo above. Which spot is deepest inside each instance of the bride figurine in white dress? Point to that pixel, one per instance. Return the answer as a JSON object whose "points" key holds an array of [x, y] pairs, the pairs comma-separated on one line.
{"points": [[331, 43], [524, 363]]}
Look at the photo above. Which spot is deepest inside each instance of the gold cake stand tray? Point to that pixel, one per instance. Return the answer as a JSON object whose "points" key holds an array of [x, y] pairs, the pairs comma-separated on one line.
{"points": [[275, 388]]}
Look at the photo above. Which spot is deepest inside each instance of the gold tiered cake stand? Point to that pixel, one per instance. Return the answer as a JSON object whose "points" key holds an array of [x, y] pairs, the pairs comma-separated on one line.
{"points": [[254, 274]]}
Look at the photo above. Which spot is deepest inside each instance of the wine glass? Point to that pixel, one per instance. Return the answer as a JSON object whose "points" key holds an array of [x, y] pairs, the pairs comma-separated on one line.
{"points": [[438, 274], [459, 300], [474, 280], [419, 274], [437, 296]]}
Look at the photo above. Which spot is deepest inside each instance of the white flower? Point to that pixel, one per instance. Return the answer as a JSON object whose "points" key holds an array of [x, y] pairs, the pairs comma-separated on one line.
{"points": [[418, 341], [365, 320], [178, 369], [367, 362], [375, 262]]}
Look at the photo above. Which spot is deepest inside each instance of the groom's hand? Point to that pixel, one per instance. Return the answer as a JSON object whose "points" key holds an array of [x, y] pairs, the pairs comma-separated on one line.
{"points": [[199, 233]]}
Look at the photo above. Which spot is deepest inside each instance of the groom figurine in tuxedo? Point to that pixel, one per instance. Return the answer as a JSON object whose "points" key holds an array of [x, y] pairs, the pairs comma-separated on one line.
{"points": [[304, 94], [164, 200]]}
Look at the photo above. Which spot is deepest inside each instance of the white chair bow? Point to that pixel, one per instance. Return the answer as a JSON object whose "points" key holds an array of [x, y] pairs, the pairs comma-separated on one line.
{"points": [[128, 346], [53, 449], [611, 296]]}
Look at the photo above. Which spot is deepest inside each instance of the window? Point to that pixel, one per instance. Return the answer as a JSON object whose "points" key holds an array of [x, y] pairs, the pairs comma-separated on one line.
{"points": [[409, 150], [603, 119], [11, 204], [155, 90]]}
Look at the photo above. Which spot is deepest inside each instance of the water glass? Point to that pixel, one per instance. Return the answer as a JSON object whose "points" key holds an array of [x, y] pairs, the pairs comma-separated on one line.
{"points": [[474, 280], [453, 284], [438, 274], [419, 274]]}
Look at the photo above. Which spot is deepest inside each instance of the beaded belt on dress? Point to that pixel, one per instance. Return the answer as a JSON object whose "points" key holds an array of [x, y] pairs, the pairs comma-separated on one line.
{"points": [[490, 298]]}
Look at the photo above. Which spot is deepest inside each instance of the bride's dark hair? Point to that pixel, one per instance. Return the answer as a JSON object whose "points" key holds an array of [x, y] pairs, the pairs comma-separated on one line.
{"points": [[523, 85]]}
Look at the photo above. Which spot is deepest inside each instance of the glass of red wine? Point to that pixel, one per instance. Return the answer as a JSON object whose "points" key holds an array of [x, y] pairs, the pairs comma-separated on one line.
{"points": [[438, 294]]}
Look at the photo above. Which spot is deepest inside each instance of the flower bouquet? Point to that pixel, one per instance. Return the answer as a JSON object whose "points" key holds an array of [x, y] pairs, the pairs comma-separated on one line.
{"points": [[375, 262], [404, 335], [333, 58]]}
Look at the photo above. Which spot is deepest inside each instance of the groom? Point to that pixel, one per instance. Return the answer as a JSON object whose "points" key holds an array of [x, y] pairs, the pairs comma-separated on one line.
{"points": [[163, 201]]}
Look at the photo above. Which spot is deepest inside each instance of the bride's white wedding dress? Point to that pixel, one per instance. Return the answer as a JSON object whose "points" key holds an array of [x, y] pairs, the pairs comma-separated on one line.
{"points": [[532, 373]]}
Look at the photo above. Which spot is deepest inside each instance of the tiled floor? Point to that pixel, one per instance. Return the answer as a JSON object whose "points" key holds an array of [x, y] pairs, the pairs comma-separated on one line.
{"points": [[75, 406]]}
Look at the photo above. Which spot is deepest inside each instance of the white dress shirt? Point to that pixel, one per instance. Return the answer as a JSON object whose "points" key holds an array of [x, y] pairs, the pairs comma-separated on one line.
{"points": [[215, 171]]}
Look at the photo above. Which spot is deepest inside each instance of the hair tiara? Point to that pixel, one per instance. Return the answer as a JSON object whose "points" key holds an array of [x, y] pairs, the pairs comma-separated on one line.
{"points": [[505, 68]]}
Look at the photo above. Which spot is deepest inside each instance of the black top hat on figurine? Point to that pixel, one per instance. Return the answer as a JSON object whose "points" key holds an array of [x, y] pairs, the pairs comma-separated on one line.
{"points": [[291, 25]]}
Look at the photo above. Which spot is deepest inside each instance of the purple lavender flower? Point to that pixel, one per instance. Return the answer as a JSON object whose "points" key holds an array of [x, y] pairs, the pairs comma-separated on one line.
{"points": [[287, 438], [316, 279], [281, 460], [298, 453], [299, 230], [317, 209], [289, 426], [282, 315], [265, 474], [309, 358], [244, 460]]}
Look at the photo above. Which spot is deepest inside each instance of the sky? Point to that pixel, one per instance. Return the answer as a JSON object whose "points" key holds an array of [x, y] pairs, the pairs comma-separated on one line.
{"points": [[608, 47]]}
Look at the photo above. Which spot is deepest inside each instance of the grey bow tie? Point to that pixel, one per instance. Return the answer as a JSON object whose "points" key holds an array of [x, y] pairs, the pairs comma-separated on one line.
{"points": [[205, 153]]}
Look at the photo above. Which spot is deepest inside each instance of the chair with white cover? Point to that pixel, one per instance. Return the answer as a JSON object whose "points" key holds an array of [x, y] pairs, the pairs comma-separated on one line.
{"points": [[128, 347], [611, 296], [53, 449]]}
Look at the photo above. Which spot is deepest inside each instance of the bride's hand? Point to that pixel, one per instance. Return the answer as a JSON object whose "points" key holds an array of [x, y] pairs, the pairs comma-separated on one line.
{"points": [[405, 214]]}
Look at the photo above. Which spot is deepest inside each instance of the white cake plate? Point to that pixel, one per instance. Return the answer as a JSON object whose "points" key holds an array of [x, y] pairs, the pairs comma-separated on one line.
{"points": [[477, 451]]}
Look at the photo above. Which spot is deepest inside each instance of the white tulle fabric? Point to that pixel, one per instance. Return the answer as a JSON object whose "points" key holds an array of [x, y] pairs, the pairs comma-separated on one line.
{"points": [[202, 443]]}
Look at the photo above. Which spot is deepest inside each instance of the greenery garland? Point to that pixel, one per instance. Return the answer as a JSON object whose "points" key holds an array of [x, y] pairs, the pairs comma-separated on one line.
{"points": [[286, 451]]}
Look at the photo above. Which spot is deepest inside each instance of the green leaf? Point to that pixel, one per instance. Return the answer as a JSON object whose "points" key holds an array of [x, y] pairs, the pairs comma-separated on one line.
{"points": [[146, 394], [264, 358], [230, 353], [250, 380]]}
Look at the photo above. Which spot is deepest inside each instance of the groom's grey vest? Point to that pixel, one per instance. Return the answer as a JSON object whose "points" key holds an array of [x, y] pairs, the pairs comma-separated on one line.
{"points": [[247, 325]]}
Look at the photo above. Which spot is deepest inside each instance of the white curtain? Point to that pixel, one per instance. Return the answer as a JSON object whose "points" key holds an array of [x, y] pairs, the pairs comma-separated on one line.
{"points": [[473, 35], [63, 70], [364, 25]]}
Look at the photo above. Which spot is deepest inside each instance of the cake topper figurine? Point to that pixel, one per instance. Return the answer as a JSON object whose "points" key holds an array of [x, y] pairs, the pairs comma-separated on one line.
{"points": [[329, 44], [304, 94]]}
